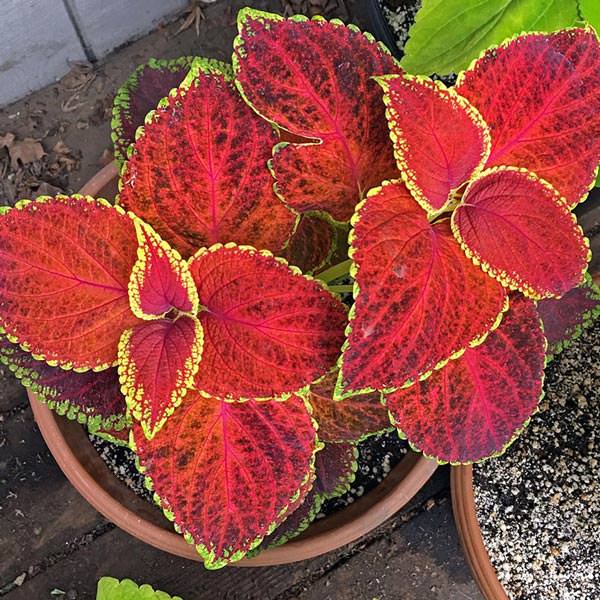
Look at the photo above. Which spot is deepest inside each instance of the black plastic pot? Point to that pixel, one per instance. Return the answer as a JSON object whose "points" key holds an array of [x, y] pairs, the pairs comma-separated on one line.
{"points": [[381, 29]]}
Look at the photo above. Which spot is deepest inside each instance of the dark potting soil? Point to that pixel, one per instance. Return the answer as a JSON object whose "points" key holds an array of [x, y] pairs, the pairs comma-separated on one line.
{"points": [[378, 455], [539, 505]]}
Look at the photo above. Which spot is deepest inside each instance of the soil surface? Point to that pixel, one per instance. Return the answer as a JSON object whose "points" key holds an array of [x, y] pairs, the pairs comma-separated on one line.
{"points": [[377, 456], [53, 544]]}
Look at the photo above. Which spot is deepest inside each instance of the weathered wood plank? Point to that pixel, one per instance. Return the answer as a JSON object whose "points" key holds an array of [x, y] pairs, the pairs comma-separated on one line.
{"points": [[40, 511], [421, 559], [119, 555]]}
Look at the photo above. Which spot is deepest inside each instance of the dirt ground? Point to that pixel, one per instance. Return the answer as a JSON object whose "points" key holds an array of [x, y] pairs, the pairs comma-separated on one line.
{"points": [[52, 543]]}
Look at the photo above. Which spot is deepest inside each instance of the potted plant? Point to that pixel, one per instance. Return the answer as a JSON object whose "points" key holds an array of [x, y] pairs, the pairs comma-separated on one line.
{"points": [[233, 367]]}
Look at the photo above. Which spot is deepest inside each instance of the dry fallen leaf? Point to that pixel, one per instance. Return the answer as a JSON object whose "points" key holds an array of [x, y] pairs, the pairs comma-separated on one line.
{"points": [[47, 189], [7, 139], [106, 157], [25, 151]]}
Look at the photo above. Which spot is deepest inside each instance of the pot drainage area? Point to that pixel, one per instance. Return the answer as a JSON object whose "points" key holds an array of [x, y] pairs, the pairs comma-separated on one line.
{"points": [[378, 455], [539, 505]]}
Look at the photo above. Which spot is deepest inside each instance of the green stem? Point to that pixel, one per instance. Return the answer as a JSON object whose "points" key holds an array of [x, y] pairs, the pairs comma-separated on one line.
{"points": [[340, 289], [335, 272]]}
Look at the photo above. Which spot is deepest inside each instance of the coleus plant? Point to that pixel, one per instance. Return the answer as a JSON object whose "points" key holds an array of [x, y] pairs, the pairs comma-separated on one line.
{"points": [[176, 318]]}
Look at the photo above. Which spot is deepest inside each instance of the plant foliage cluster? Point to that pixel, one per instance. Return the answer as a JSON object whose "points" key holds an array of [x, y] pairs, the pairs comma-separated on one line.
{"points": [[198, 318]]}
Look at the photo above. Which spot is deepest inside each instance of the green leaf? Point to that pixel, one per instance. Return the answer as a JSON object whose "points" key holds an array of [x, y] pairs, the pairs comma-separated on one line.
{"points": [[590, 12], [449, 34], [110, 588]]}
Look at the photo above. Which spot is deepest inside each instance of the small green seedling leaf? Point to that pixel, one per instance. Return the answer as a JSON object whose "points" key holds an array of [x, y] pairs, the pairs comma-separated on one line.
{"points": [[110, 588]]}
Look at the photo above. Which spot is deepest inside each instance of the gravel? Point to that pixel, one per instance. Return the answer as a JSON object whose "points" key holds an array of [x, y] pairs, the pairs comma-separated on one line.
{"points": [[539, 504], [121, 461], [400, 16], [378, 455]]}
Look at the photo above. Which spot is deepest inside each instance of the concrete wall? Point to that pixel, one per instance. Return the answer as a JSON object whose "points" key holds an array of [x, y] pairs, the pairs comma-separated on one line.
{"points": [[39, 37]]}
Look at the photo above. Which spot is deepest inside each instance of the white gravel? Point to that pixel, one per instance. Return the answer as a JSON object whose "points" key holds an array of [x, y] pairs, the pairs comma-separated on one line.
{"points": [[400, 19], [539, 504]]}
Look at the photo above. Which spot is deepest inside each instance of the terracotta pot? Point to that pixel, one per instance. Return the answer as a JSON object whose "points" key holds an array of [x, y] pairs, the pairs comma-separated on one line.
{"points": [[79, 461], [469, 532]]}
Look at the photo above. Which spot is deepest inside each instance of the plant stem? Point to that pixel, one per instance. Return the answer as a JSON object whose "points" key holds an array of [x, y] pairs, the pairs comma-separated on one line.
{"points": [[340, 289], [335, 272]]}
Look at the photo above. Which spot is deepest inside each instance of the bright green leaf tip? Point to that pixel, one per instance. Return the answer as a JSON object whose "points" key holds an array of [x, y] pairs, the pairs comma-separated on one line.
{"points": [[110, 588]]}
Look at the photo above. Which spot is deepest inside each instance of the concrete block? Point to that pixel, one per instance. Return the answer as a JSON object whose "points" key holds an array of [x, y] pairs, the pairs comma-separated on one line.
{"points": [[106, 24], [36, 41]]}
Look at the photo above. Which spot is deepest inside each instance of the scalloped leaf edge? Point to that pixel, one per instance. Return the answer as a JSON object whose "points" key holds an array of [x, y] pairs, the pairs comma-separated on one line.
{"points": [[400, 143], [501, 276], [67, 366]]}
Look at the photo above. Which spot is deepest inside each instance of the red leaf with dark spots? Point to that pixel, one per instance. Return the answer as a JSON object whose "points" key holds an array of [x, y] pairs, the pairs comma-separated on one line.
{"points": [[349, 420], [268, 330], [522, 233], [476, 405], [160, 279], [314, 79], [140, 94], [335, 467], [198, 173], [312, 244], [440, 140], [238, 468], [539, 96], [64, 270], [564, 319], [157, 364], [91, 398], [414, 283]]}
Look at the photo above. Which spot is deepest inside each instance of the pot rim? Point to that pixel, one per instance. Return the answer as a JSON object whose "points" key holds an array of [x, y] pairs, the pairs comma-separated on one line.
{"points": [[78, 461], [469, 533], [82, 467]]}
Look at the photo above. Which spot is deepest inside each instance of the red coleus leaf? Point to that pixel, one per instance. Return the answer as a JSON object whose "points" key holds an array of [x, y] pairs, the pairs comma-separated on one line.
{"points": [[314, 79], [350, 420], [522, 232], [335, 467], [64, 270], [473, 407], [565, 318], [440, 140], [312, 244], [160, 279], [140, 94], [539, 96], [268, 329], [198, 171], [412, 285], [91, 398], [239, 466], [157, 364]]}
